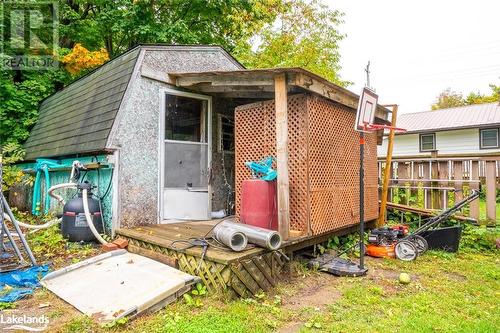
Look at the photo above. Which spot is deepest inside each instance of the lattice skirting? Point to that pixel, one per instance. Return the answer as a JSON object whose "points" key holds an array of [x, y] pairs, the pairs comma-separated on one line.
{"points": [[243, 277]]}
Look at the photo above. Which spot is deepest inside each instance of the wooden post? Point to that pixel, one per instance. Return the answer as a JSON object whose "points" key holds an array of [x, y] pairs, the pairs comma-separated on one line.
{"points": [[436, 194], [281, 108], [474, 205], [387, 171], [458, 177], [404, 173], [490, 171], [426, 166], [443, 174]]}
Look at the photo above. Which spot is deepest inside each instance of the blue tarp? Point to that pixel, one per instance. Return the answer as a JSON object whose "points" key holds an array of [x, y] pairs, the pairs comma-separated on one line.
{"points": [[22, 281]]}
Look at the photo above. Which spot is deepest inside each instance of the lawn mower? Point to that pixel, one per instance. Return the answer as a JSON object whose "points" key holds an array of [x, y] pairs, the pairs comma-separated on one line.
{"points": [[398, 242]]}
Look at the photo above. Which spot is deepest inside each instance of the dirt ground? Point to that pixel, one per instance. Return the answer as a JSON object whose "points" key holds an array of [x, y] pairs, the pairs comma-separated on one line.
{"points": [[310, 301], [297, 291]]}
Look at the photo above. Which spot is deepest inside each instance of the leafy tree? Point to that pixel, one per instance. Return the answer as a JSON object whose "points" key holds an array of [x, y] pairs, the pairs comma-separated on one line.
{"points": [[305, 35], [81, 59], [478, 98], [119, 25], [450, 99]]}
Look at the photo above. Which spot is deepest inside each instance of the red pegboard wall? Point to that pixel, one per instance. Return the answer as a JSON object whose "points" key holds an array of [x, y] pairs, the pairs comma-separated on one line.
{"points": [[323, 160]]}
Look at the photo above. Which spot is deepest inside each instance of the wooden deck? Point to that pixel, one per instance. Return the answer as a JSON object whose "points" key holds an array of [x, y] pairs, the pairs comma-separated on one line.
{"points": [[239, 273], [165, 235]]}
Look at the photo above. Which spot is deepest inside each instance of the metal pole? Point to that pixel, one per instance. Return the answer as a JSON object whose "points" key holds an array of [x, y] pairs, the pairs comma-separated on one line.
{"points": [[361, 200], [17, 229]]}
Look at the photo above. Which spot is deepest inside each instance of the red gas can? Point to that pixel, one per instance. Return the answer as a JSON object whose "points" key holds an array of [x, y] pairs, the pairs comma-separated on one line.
{"points": [[259, 203]]}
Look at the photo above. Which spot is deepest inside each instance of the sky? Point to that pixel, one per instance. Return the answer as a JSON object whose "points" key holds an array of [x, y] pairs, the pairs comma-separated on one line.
{"points": [[417, 49]]}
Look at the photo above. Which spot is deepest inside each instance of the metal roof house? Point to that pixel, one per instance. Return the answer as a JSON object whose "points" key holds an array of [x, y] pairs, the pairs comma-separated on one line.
{"points": [[162, 118], [467, 131]]}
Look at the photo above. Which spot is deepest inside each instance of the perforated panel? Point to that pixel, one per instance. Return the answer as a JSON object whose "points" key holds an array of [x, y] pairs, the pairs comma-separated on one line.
{"points": [[255, 137], [323, 160], [334, 167]]}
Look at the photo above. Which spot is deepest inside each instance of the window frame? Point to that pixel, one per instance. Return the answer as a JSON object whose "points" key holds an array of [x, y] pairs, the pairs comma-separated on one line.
{"points": [[433, 135], [497, 130]]}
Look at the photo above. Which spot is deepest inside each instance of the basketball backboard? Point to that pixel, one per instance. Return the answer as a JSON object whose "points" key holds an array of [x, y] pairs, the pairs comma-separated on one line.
{"points": [[366, 109]]}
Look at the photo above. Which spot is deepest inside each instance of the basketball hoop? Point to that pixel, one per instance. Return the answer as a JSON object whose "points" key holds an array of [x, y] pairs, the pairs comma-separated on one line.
{"points": [[365, 123], [377, 127]]}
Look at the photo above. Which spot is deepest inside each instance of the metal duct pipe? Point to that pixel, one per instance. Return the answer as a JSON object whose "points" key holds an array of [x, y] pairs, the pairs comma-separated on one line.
{"points": [[235, 240], [269, 239]]}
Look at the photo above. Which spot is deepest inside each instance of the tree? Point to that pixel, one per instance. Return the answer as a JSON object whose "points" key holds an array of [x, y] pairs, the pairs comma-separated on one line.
{"points": [[478, 98], [80, 59], [86, 26], [450, 99], [306, 35], [119, 25]]}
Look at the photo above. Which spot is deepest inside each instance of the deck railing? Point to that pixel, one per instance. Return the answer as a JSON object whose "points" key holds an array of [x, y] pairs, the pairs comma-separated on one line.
{"points": [[437, 183]]}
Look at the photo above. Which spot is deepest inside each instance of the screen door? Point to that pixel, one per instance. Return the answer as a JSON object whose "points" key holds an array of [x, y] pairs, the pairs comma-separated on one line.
{"points": [[187, 157]]}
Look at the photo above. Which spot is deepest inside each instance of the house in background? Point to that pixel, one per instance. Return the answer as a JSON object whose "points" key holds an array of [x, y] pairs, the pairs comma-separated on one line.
{"points": [[467, 131], [446, 151]]}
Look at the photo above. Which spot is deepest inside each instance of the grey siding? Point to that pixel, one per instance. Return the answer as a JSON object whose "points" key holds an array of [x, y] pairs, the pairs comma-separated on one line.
{"points": [[78, 119]]}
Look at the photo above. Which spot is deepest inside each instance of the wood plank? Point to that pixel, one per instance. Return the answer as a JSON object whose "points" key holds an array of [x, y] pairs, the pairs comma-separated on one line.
{"points": [[160, 257], [281, 106], [474, 205], [256, 274], [458, 177], [490, 170], [238, 286], [443, 173], [163, 235], [245, 278], [436, 198], [265, 269], [427, 194]]}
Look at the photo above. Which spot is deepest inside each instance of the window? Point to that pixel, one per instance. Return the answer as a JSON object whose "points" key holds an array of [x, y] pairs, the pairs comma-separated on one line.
{"points": [[184, 119], [226, 133], [489, 138], [428, 142]]}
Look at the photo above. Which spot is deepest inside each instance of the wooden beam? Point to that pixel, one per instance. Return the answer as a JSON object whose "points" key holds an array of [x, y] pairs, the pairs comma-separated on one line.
{"points": [[220, 80], [246, 94], [457, 177], [209, 88], [387, 171], [490, 170], [474, 205], [334, 93], [281, 109]]}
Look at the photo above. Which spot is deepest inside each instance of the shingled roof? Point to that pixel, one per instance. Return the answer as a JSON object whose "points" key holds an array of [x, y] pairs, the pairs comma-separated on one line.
{"points": [[87, 106]]}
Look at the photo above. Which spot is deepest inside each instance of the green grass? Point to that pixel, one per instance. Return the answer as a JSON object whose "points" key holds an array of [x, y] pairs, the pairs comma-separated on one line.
{"points": [[448, 293], [482, 210]]}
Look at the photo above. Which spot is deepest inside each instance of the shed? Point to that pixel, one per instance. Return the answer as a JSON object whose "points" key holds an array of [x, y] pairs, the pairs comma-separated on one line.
{"points": [[163, 119]]}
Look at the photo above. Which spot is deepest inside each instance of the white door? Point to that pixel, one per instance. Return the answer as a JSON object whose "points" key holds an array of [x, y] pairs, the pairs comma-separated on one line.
{"points": [[186, 160]]}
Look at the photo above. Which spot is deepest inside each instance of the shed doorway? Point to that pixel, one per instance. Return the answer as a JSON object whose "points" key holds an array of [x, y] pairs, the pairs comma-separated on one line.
{"points": [[186, 132]]}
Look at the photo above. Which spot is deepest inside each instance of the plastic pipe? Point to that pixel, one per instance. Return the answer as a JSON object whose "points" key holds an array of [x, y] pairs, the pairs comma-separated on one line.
{"points": [[234, 239], [58, 187], [89, 218], [34, 226], [266, 238]]}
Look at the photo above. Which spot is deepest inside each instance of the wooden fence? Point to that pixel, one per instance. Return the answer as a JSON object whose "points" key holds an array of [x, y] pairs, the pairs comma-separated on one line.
{"points": [[437, 183]]}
